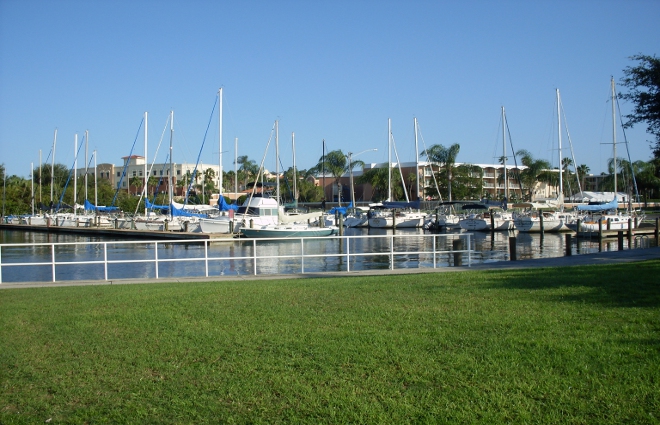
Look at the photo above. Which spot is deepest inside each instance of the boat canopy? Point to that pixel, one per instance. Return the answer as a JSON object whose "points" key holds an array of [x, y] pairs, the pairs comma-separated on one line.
{"points": [[91, 207], [393, 204], [612, 205], [224, 206]]}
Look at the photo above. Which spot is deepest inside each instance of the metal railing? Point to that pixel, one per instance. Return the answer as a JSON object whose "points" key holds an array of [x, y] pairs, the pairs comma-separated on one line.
{"points": [[108, 260]]}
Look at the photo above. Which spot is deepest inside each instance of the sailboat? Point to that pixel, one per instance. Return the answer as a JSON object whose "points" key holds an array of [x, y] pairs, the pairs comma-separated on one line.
{"points": [[287, 225], [544, 216], [605, 215], [398, 214], [492, 218]]}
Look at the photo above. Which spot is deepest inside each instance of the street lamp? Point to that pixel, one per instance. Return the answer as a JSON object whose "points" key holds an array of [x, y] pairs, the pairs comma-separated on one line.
{"points": [[350, 172]]}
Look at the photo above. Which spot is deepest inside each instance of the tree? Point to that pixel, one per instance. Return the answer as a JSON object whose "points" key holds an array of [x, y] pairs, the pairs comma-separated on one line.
{"points": [[247, 168], [643, 83], [378, 179], [336, 163], [137, 183], [446, 158], [582, 171], [537, 170]]}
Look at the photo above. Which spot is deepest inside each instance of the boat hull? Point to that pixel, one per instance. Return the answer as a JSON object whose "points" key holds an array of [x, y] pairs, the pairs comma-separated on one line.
{"points": [[288, 232]]}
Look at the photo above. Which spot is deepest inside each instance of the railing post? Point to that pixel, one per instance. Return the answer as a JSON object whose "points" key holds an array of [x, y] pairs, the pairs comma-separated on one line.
{"points": [[105, 260], [348, 254], [254, 252], [657, 231], [302, 255], [434, 247], [0, 265], [392, 252], [156, 257], [206, 255], [52, 254]]}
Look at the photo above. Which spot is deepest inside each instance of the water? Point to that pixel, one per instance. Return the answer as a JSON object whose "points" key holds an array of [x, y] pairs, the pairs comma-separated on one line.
{"points": [[370, 249]]}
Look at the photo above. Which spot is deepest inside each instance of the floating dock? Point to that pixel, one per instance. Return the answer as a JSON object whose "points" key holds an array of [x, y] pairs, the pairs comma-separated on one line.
{"points": [[117, 233]]}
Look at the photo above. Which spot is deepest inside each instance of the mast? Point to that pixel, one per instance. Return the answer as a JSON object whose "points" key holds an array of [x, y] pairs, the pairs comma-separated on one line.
{"points": [[561, 165], [32, 185], [506, 182], [616, 196], [323, 170], [41, 166], [146, 173], [75, 169], [96, 189], [171, 173], [86, 153], [52, 167], [389, 159], [295, 186], [416, 160], [236, 167], [220, 143], [277, 162]]}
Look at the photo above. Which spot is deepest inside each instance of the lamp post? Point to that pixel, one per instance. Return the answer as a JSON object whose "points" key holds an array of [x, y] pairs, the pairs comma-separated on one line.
{"points": [[350, 172]]}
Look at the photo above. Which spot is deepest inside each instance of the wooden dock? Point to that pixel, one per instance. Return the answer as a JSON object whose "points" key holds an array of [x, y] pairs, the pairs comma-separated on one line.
{"points": [[117, 233]]}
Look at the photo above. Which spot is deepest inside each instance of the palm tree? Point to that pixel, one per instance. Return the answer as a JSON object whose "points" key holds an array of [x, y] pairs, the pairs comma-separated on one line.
{"points": [[137, 183], [336, 163], [446, 158], [582, 171], [537, 170], [248, 168]]}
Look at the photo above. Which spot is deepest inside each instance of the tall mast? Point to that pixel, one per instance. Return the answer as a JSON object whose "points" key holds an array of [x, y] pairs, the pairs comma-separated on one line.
{"points": [[220, 142], [561, 165], [323, 170], [96, 190], [614, 137], [295, 178], [41, 166], [416, 161], [75, 170], [32, 185], [52, 167], [506, 181], [146, 176], [171, 173], [86, 153], [277, 162], [389, 159], [236, 167]]}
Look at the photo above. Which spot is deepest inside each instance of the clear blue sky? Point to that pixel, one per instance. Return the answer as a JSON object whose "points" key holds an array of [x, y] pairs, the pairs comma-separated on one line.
{"points": [[334, 70]]}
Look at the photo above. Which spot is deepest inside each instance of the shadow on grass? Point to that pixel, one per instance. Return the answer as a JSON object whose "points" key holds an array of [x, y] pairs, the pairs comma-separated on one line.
{"points": [[620, 285]]}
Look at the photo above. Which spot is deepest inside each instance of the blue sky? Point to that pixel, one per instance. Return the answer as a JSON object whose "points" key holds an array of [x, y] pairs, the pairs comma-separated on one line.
{"points": [[334, 70]]}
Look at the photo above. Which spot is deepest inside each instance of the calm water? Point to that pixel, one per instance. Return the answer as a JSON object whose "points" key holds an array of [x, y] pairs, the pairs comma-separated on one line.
{"points": [[236, 257]]}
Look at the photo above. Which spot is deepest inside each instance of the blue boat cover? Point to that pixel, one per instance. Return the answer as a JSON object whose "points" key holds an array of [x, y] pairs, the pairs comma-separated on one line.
{"points": [[91, 207], [612, 205], [224, 206]]}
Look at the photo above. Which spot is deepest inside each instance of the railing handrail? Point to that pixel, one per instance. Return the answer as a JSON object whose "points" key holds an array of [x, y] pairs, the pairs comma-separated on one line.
{"points": [[254, 257]]}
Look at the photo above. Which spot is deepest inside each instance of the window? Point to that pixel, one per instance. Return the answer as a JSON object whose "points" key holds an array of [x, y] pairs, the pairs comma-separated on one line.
{"points": [[178, 172], [118, 174]]}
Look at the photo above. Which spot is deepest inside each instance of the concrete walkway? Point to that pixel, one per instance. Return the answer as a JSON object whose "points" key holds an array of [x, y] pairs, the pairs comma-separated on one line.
{"points": [[610, 257]]}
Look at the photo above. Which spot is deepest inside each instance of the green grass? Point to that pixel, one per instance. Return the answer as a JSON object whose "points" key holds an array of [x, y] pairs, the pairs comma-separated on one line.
{"points": [[577, 345]]}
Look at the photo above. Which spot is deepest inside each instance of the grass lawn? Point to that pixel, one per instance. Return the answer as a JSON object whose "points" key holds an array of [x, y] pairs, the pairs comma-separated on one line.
{"points": [[578, 345]]}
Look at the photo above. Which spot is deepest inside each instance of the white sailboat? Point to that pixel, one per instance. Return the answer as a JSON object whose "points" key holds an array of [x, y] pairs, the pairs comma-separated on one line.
{"points": [[606, 216], [545, 216], [398, 214]]}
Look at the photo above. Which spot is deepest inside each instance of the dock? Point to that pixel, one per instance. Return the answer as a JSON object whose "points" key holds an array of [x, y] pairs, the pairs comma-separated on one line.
{"points": [[118, 233]]}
